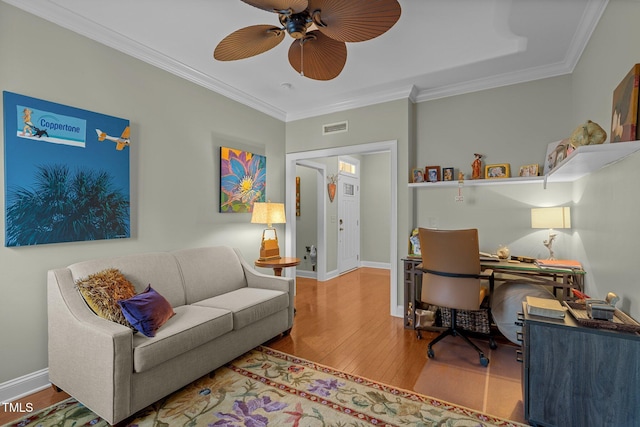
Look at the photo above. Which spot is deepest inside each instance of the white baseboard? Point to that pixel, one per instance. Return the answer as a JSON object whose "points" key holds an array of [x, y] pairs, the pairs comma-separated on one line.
{"points": [[373, 264], [399, 312], [306, 274], [24, 386]]}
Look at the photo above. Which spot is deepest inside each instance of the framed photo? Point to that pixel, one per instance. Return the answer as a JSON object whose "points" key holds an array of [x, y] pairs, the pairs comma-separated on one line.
{"points": [[556, 153], [528, 170], [447, 174], [417, 175], [501, 170], [432, 173]]}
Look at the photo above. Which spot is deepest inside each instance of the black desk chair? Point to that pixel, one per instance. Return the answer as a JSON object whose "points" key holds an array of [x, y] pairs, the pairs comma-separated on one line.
{"points": [[452, 279]]}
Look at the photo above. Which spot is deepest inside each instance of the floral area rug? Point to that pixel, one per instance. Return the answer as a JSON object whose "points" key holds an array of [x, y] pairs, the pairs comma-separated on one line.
{"points": [[265, 387]]}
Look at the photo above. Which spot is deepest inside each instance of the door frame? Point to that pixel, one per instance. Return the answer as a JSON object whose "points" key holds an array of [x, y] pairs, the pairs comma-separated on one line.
{"points": [[291, 159]]}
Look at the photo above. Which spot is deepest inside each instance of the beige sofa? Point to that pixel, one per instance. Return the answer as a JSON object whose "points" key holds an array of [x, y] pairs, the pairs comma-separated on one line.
{"points": [[223, 308]]}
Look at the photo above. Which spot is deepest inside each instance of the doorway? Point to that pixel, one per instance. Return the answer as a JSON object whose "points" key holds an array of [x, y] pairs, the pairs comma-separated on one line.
{"points": [[292, 159]]}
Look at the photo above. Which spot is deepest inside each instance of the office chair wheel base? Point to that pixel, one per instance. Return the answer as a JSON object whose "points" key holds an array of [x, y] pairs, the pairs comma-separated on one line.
{"points": [[492, 344], [484, 361], [430, 354]]}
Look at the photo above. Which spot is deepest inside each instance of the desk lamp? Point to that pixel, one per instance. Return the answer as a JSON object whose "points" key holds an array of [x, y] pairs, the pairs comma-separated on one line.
{"points": [[558, 217], [268, 213]]}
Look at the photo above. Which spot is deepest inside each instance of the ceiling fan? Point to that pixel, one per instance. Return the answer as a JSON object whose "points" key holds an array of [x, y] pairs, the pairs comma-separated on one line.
{"points": [[320, 28]]}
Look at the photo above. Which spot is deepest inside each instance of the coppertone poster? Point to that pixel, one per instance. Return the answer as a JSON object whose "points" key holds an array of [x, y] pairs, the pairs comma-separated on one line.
{"points": [[66, 173]]}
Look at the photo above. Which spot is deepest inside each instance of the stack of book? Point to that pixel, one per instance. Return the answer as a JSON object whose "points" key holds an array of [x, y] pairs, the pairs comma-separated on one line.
{"points": [[545, 307], [559, 264]]}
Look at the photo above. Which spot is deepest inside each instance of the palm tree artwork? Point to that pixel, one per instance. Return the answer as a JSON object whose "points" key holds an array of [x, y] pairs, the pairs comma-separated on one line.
{"points": [[67, 173], [66, 206]]}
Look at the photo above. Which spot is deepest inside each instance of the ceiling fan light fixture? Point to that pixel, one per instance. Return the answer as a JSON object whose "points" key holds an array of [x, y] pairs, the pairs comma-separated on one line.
{"points": [[296, 24], [320, 29]]}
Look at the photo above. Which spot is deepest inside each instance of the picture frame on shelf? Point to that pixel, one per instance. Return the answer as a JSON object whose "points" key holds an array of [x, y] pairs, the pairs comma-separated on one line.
{"points": [[497, 171], [432, 173], [447, 174], [625, 112], [417, 175], [556, 153], [529, 170]]}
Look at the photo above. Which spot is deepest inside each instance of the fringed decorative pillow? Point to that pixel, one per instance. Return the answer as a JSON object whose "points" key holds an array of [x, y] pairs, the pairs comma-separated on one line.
{"points": [[103, 290]]}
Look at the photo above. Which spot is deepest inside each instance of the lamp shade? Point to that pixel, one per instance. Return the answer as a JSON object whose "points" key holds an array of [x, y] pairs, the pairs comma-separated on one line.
{"points": [[268, 213], [557, 217]]}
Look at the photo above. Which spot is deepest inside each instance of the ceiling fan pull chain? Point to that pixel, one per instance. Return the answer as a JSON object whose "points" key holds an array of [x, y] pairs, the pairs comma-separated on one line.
{"points": [[302, 57]]}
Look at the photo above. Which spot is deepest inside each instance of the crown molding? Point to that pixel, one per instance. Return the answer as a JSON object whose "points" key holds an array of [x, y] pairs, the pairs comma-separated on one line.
{"points": [[68, 19], [93, 30], [357, 101]]}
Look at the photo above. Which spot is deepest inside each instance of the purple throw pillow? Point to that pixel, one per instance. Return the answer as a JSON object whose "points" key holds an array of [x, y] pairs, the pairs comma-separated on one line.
{"points": [[147, 311]]}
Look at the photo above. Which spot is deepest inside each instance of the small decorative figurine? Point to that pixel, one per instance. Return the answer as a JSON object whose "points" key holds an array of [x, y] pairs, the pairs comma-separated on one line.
{"points": [[460, 177], [589, 133], [548, 243], [477, 166], [503, 252]]}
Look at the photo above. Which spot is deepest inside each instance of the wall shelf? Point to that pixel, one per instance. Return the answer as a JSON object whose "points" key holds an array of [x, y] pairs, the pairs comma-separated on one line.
{"points": [[582, 161], [590, 158]]}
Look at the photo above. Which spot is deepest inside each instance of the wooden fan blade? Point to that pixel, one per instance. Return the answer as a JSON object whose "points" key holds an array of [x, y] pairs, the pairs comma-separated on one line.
{"points": [[355, 20], [248, 42], [320, 58], [278, 5]]}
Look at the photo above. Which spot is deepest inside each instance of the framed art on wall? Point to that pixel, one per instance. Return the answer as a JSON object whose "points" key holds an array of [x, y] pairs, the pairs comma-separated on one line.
{"points": [[625, 111], [243, 180], [66, 173]]}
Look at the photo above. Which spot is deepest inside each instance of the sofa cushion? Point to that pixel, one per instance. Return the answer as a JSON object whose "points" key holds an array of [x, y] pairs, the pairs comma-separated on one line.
{"points": [[191, 327], [249, 305], [103, 290], [158, 268], [209, 272], [147, 311]]}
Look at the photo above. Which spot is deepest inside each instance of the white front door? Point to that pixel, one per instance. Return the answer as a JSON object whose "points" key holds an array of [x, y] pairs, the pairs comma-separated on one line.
{"points": [[348, 223]]}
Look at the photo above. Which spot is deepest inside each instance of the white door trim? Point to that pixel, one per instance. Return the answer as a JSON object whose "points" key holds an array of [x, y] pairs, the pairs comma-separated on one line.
{"points": [[290, 184], [321, 237]]}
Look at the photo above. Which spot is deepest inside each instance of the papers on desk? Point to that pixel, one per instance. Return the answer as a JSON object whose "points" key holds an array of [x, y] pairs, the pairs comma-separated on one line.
{"points": [[559, 263], [485, 256], [546, 307]]}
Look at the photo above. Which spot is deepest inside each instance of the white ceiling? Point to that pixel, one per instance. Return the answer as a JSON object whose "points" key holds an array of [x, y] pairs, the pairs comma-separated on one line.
{"points": [[438, 48]]}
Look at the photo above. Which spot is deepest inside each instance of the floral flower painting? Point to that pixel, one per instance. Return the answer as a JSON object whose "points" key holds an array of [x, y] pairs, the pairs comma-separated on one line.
{"points": [[243, 180]]}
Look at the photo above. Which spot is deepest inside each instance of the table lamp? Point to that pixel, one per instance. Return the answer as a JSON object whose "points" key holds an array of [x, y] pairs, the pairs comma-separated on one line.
{"points": [[557, 217], [268, 213]]}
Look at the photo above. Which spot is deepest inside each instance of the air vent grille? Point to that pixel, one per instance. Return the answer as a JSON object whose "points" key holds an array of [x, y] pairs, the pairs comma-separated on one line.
{"points": [[332, 128]]}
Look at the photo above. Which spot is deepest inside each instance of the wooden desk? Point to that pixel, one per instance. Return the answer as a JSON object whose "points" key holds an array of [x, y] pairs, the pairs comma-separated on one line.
{"points": [[558, 278], [278, 264]]}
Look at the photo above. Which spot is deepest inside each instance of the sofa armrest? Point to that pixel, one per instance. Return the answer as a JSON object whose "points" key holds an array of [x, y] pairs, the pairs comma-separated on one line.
{"points": [[256, 279], [89, 357]]}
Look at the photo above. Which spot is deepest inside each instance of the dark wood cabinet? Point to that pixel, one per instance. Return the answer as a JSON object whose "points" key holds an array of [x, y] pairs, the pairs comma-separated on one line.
{"points": [[578, 376]]}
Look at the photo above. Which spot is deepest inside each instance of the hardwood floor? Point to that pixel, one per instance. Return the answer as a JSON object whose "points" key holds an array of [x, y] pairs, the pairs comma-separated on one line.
{"points": [[344, 323]]}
